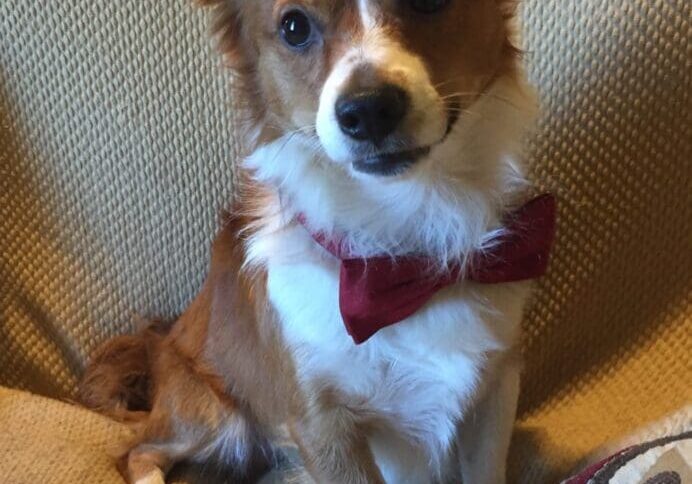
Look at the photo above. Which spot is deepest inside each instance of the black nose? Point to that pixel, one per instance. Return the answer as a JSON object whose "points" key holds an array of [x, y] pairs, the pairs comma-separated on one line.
{"points": [[372, 115]]}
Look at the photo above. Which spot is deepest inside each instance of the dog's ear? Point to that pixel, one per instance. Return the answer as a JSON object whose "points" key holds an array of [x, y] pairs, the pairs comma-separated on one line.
{"points": [[510, 11], [227, 29]]}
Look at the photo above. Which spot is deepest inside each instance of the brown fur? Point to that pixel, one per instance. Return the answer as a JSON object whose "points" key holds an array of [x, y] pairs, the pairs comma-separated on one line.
{"points": [[190, 403], [465, 49], [118, 379], [223, 361]]}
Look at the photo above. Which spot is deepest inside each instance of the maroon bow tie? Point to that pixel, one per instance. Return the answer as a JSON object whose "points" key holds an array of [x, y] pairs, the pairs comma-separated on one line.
{"points": [[380, 291]]}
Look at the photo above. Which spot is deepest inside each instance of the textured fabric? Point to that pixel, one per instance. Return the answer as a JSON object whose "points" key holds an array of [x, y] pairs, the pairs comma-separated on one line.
{"points": [[608, 341], [381, 291], [116, 149], [45, 441]]}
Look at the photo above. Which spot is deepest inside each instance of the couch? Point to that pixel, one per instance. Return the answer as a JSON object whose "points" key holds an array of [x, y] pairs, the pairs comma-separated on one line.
{"points": [[117, 151]]}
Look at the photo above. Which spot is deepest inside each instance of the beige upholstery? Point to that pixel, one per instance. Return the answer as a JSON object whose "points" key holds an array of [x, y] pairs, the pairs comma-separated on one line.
{"points": [[45, 441], [117, 149]]}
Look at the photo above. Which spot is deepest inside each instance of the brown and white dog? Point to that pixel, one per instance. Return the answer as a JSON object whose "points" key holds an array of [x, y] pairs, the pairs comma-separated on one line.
{"points": [[393, 127]]}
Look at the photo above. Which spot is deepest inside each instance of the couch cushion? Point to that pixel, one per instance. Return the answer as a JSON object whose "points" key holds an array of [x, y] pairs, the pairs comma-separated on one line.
{"points": [[47, 441]]}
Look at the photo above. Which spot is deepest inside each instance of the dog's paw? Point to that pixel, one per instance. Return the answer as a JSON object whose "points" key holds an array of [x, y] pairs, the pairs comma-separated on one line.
{"points": [[154, 477]]}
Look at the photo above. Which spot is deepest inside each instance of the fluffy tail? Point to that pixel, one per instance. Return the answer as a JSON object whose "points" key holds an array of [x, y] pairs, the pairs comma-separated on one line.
{"points": [[117, 381]]}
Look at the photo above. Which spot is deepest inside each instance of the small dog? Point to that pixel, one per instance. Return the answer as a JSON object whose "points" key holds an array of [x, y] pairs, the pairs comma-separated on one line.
{"points": [[366, 290]]}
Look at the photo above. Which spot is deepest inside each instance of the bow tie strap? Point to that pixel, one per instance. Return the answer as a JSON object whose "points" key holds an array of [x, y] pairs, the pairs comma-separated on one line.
{"points": [[522, 252]]}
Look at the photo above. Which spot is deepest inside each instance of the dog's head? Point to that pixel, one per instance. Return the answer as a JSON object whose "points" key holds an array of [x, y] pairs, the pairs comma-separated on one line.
{"points": [[379, 82]]}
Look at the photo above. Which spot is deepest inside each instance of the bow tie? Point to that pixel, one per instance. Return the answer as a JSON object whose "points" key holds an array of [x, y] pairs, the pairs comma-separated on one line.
{"points": [[380, 291]]}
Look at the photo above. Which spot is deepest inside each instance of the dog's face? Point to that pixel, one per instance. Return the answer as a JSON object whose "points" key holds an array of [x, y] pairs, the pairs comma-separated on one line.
{"points": [[380, 82]]}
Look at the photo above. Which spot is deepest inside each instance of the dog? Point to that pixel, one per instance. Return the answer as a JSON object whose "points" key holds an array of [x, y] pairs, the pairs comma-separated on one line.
{"points": [[367, 287]]}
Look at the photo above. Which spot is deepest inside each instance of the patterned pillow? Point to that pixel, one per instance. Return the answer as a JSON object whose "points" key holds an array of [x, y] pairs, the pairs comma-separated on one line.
{"points": [[663, 461]]}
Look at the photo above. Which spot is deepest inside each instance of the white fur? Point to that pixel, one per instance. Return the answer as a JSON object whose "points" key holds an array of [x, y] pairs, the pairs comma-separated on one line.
{"points": [[154, 477], [447, 206], [233, 442], [485, 434], [425, 374], [427, 117], [365, 9]]}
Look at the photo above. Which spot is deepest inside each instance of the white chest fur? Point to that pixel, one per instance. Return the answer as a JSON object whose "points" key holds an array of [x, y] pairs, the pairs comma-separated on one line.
{"points": [[420, 374]]}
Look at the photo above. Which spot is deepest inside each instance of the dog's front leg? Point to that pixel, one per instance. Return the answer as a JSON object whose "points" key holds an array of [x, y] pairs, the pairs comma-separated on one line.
{"points": [[485, 433], [335, 449]]}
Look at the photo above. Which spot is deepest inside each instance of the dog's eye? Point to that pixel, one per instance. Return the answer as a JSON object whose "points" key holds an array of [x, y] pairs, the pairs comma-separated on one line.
{"points": [[296, 29], [428, 6]]}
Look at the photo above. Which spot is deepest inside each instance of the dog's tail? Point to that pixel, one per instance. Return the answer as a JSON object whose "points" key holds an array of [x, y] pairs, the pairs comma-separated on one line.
{"points": [[118, 380]]}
